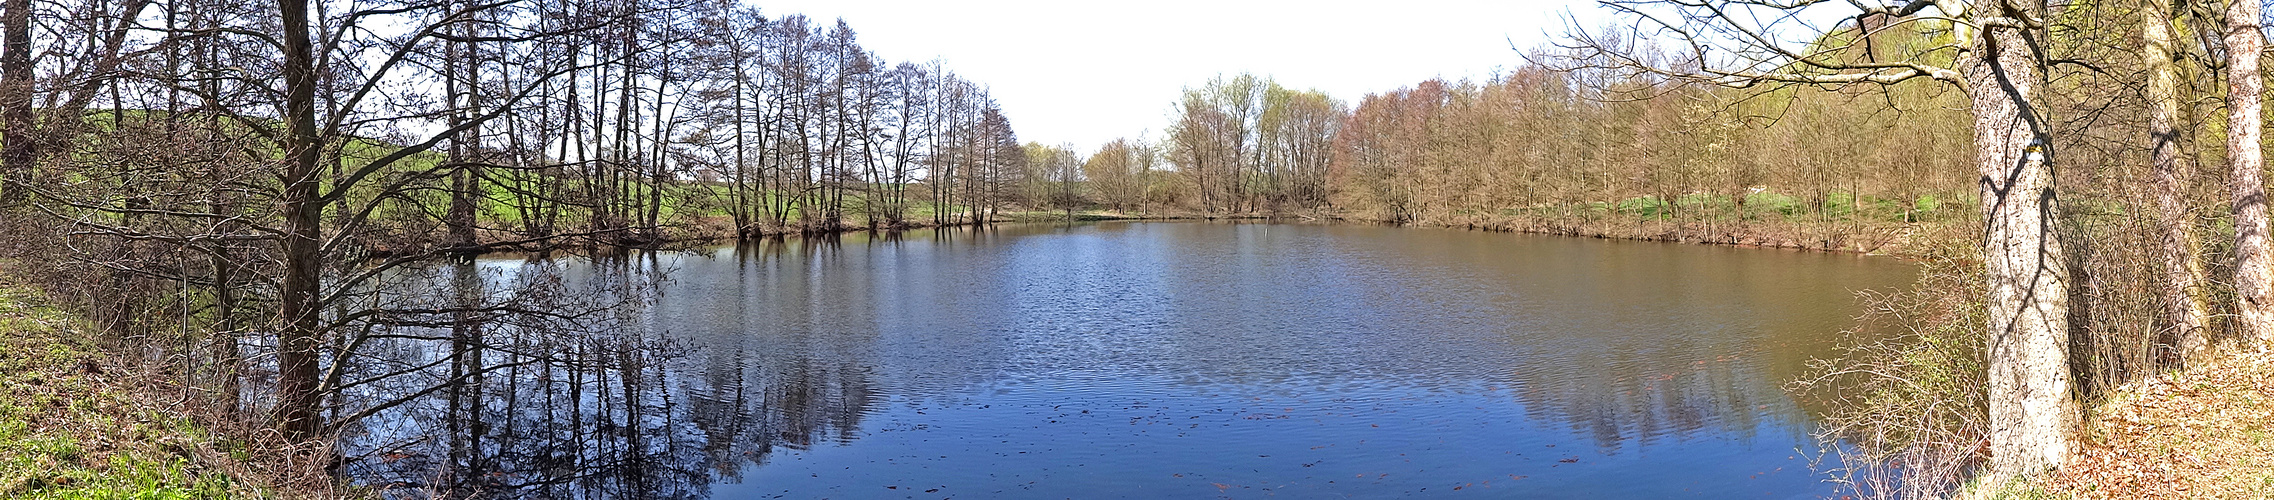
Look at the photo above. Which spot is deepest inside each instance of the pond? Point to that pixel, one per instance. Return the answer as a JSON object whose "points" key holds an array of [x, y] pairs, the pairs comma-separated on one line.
{"points": [[1154, 360]]}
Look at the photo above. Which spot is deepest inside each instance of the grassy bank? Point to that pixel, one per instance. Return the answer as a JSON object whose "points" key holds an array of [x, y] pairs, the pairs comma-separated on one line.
{"points": [[1882, 228], [1839, 222], [77, 422], [1856, 237]]}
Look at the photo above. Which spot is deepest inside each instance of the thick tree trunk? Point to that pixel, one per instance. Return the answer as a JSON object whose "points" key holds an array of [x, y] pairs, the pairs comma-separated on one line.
{"points": [[298, 344], [2032, 416], [18, 128], [2255, 302], [2184, 303]]}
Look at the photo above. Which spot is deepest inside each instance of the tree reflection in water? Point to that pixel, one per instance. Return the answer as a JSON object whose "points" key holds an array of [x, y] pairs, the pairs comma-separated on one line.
{"points": [[702, 369], [579, 406]]}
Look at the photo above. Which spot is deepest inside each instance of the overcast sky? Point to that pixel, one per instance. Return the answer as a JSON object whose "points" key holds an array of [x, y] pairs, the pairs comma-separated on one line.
{"points": [[1085, 72]]}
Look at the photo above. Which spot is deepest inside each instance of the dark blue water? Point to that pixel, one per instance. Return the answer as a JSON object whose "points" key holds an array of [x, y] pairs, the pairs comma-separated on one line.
{"points": [[1187, 360]]}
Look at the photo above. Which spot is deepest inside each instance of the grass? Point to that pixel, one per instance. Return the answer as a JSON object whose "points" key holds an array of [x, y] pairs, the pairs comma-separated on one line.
{"points": [[2023, 488], [72, 424]]}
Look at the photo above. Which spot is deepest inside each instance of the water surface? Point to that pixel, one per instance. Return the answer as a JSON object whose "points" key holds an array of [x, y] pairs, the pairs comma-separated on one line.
{"points": [[1167, 360]]}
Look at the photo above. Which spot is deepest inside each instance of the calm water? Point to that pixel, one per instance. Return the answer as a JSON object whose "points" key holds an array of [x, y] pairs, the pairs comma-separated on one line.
{"points": [[1158, 360]]}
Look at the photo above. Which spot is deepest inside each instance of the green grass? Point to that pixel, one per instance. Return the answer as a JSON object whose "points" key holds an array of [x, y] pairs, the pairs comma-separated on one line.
{"points": [[2025, 488], [66, 432], [1644, 206]]}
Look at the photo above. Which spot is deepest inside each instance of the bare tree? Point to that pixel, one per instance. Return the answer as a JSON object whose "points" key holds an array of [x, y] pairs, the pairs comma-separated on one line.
{"points": [[83, 57], [1054, 177], [326, 194], [1117, 173]]}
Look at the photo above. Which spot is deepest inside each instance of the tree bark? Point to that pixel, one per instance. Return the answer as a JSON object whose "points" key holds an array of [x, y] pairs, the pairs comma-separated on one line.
{"points": [[461, 84], [298, 347], [18, 128], [2032, 416], [2184, 303], [2246, 164]]}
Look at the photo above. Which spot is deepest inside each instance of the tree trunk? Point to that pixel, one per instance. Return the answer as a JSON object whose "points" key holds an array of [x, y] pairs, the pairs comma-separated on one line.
{"points": [[460, 84], [18, 128], [2184, 303], [2032, 416], [2255, 303], [229, 356], [297, 343]]}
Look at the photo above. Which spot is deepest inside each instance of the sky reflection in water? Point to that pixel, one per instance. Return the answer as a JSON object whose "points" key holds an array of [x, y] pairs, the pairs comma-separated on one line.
{"points": [[1187, 360]]}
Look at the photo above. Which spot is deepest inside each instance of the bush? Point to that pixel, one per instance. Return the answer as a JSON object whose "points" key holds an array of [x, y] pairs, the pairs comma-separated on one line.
{"points": [[1907, 410]]}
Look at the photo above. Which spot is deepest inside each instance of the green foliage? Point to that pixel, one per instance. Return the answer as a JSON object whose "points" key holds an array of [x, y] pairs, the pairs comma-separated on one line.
{"points": [[1703, 203], [1767, 203], [1839, 205], [1645, 206]]}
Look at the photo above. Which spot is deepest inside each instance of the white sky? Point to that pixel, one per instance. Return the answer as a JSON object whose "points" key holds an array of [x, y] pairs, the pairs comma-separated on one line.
{"points": [[1086, 72]]}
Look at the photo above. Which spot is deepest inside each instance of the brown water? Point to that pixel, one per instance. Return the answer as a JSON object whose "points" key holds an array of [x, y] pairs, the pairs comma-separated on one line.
{"points": [[1162, 360]]}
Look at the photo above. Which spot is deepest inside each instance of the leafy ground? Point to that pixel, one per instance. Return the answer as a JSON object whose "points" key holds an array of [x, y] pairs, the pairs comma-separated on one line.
{"points": [[2205, 433], [76, 424]]}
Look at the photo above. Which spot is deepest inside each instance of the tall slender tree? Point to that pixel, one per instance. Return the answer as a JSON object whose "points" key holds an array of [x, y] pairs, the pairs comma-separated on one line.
{"points": [[2186, 307], [2254, 267]]}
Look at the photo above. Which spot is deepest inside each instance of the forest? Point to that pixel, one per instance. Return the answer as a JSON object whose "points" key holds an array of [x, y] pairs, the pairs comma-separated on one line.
{"points": [[236, 193]]}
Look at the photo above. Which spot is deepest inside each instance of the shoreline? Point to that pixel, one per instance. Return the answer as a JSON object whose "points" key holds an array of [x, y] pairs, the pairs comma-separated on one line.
{"points": [[1879, 238]]}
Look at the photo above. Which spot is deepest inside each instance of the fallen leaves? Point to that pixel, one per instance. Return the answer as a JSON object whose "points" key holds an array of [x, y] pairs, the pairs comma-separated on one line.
{"points": [[2205, 433]]}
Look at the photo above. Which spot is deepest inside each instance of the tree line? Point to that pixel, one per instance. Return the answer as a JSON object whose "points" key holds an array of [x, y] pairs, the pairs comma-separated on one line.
{"points": [[278, 177], [1545, 147]]}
